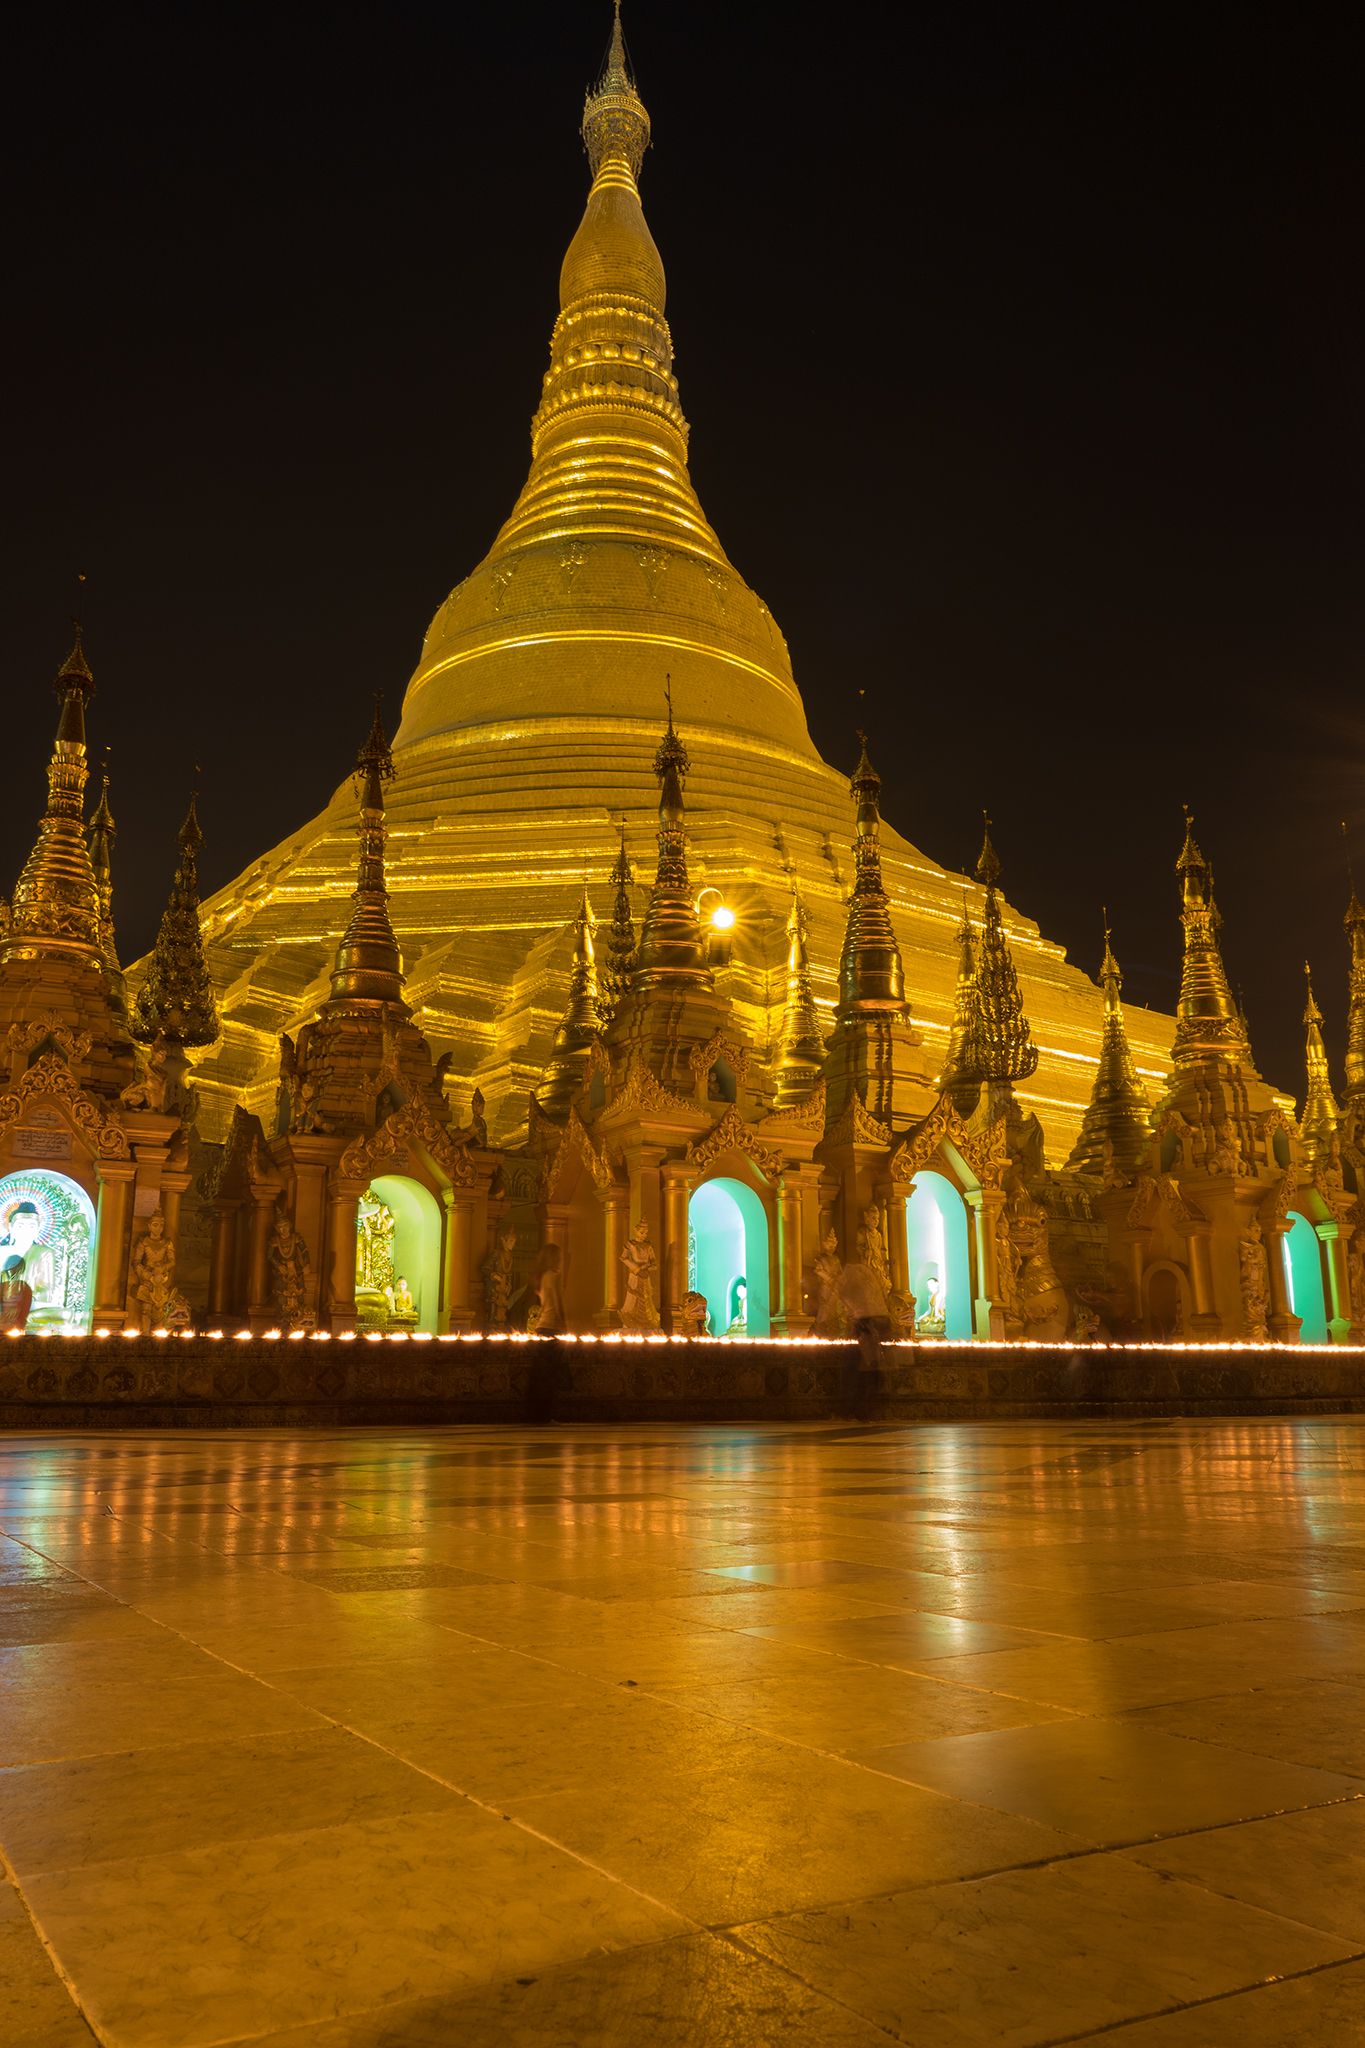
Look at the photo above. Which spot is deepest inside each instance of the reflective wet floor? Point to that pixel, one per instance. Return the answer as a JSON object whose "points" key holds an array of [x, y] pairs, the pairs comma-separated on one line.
{"points": [[1016, 1733]]}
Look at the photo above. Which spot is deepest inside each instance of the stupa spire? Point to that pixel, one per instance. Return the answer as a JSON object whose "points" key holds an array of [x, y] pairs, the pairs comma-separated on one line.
{"points": [[175, 1000], [101, 835], [801, 1048], [580, 1025], [871, 977], [1321, 1119], [369, 966], [672, 950], [1209, 1022], [998, 1049], [964, 1088], [620, 948], [1116, 1129], [56, 906]]}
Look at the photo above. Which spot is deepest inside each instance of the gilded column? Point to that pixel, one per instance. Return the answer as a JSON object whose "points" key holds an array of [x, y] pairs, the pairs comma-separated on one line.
{"points": [[223, 1261], [459, 1245], [1338, 1281], [615, 1219], [1206, 1321], [111, 1241], [260, 1311], [987, 1205], [673, 1259], [1284, 1324], [342, 1217], [791, 1317], [897, 1246]]}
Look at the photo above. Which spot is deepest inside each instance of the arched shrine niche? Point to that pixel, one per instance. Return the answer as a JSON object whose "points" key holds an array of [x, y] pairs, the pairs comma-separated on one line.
{"points": [[727, 1257], [397, 1256], [939, 1258], [1303, 1272], [47, 1240]]}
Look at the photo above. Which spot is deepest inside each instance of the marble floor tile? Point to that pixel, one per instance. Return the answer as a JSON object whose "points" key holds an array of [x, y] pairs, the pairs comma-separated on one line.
{"points": [[1307, 1866], [1314, 1721], [693, 1992], [1111, 1781], [36, 2008], [149, 1802], [1323, 2009], [1035, 1956], [906, 1641], [236, 1939], [42, 1723]]}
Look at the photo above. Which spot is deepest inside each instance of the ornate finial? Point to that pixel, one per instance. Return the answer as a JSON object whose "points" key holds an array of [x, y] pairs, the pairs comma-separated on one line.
{"points": [[1210, 1024], [1321, 1119], [871, 977], [1312, 1014], [671, 762], [175, 1000], [672, 949], [615, 123], [620, 938], [801, 1047], [1115, 1131], [580, 1025], [369, 965], [56, 899], [963, 1086], [988, 864], [1354, 922]]}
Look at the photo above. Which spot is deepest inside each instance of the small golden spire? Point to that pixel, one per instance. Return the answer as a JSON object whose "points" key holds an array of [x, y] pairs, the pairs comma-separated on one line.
{"points": [[1209, 1022], [615, 123], [871, 976], [56, 899], [1116, 1128], [801, 1048], [1321, 1119], [672, 949], [964, 1088], [997, 1049], [620, 938], [369, 966], [101, 835], [580, 1026], [175, 1000], [1354, 922]]}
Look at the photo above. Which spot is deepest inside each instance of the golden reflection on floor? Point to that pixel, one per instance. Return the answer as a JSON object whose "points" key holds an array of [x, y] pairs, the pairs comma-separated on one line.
{"points": [[685, 1738]]}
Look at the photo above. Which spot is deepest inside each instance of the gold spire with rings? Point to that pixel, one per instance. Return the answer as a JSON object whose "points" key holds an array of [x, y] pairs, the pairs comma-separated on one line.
{"points": [[1208, 1020], [801, 1047], [871, 976], [175, 1000], [369, 965], [56, 904], [1115, 1131], [1321, 1119], [998, 1048], [672, 951], [954, 1081], [1354, 922], [580, 1026], [620, 947], [101, 836]]}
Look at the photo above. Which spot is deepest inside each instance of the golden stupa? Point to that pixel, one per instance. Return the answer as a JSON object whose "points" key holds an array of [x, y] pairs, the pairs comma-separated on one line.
{"points": [[528, 736]]}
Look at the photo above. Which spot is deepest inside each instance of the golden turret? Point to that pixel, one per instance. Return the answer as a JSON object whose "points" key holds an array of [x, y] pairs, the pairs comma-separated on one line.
{"points": [[580, 1027], [1321, 1119], [100, 837], [1208, 1020], [56, 906], [672, 951], [801, 1048], [620, 938], [175, 1000], [1116, 1129], [369, 966], [1355, 1016], [964, 1089], [998, 1048], [871, 977]]}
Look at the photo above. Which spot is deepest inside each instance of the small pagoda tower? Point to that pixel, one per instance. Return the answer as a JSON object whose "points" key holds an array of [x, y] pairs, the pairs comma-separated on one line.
{"points": [[1116, 1132], [962, 1088], [997, 1048], [620, 941], [801, 1047], [1320, 1124], [580, 1027], [174, 1002]]}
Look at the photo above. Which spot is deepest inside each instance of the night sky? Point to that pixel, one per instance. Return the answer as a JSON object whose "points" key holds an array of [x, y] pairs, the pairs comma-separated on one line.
{"points": [[1021, 347]]}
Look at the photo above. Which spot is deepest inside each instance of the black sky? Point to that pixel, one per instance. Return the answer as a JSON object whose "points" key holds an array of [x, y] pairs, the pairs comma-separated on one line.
{"points": [[1021, 347]]}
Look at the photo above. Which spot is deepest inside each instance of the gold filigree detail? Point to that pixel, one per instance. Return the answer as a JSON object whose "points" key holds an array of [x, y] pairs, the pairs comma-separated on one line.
{"points": [[732, 1134], [50, 1076], [414, 1123]]}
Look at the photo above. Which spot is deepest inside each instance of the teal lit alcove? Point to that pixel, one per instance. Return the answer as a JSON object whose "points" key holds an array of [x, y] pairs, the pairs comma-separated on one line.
{"points": [[939, 1263], [416, 1242], [1303, 1267], [729, 1229]]}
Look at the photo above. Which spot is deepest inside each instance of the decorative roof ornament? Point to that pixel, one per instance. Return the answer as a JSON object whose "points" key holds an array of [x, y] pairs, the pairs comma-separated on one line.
{"points": [[1116, 1129], [580, 1027], [1209, 1022], [615, 123], [801, 1048], [620, 945], [963, 1088], [56, 904], [672, 950], [998, 1048], [101, 836], [369, 965], [175, 1000], [1354, 922], [1321, 1119], [871, 977]]}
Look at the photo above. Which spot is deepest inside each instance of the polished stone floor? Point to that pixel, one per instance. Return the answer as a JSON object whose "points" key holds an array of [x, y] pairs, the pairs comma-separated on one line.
{"points": [[685, 1738]]}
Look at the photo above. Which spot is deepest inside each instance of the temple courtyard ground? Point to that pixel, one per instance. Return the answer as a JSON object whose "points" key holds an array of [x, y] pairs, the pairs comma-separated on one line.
{"points": [[949, 1734]]}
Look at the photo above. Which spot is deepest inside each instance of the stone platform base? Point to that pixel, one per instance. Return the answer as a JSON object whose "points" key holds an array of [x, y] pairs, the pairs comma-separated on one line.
{"points": [[229, 1382]]}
